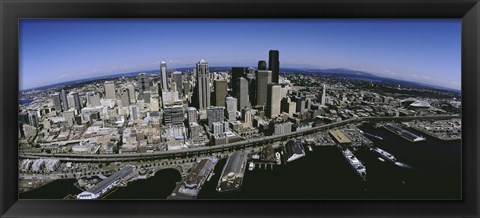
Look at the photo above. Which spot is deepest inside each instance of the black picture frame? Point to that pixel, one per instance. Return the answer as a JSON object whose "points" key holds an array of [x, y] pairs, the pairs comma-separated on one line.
{"points": [[12, 10]]}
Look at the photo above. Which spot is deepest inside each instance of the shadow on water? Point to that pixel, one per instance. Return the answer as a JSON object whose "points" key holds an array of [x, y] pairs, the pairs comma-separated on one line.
{"points": [[57, 189]]}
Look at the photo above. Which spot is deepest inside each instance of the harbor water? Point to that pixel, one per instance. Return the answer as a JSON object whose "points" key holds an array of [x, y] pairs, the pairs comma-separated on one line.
{"points": [[324, 174]]}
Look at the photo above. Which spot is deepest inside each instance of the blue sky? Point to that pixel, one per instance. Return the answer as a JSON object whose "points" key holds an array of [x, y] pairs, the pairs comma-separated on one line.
{"points": [[58, 50]]}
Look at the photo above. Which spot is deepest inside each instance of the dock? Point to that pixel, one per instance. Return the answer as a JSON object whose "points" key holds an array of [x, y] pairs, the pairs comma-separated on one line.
{"points": [[233, 172], [189, 188], [403, 133]]}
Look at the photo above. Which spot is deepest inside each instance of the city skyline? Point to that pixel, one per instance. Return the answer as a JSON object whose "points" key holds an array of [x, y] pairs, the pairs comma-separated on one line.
{"points": [[53, 51]]}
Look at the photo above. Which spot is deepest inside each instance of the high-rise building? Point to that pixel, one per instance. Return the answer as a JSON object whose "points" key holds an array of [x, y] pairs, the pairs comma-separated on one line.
{"points": [[134, 112], [178, 76], [219, 127], [242, 95], [76, 99], [173, 114], [264, 77], [93, 99], [109, 90], [215, 114], [247, 117], [163, 76], [63, 96], [69, 116], [274, 65], [192, 114], [143, 84], [125, 97], [231, 108], [237, 72], [220, 90], [262, 65], [71, 100], [131, 91], [273, 100], [57, 103], [324, 91], [203, 86]]}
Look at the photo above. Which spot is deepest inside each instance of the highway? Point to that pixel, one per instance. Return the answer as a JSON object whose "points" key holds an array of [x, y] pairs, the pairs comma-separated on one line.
{"points": [[209, 150]]}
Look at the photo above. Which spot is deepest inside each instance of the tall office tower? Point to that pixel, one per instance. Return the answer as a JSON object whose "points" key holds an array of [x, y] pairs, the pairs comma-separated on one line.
{"points": [[220, 90], [262, 65], [247, 117], [264, 77], [252, 89], [71, 100], [173, 114], [63, 96], [131, 91], [57, 102], [69, 116], [76, 99], [178, 76], [134, 112], [192, 114], [109, 90], [33, 118], [323, 95], [154, 104], [274, 65], [93, 99], [237, 72], [163, 76], [231, 108], [146, 96], [215, 114], [203, 87], [143, 84], [125, 97], [242, 95], [273, 100]]}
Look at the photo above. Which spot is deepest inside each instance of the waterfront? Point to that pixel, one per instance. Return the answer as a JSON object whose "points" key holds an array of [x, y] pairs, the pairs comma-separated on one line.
{"points": [[324, 174]]}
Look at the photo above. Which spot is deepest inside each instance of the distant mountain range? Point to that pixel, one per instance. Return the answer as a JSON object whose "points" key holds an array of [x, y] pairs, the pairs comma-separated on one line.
{"points": [[353, 74]]}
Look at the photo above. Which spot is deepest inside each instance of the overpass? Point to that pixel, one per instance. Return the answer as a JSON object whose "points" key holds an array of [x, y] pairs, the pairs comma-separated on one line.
{"points": [[210, 150]]}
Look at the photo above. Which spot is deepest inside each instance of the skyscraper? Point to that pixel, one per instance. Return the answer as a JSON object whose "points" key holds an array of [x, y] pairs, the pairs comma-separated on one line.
{"points": [[131, 91], [125, 97], [273, 100], [231, 108], [63, 97], [215, 114], [324, 95], [179, 82], [242, 95], [264, 77], [262, 65], [109, 90], [203, 87], [274, 65], [78, 103], [192, 115], [57, 102], [163, 76], [93, 99], [143, 84], [237, 72], [220, 89]]}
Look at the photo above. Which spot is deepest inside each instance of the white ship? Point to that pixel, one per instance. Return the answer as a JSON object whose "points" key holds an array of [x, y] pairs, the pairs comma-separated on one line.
{"points": [[357, 166], [385, 155]]}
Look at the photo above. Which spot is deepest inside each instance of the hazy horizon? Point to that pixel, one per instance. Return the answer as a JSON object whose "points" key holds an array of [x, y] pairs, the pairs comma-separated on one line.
{"points": [[419, 50]]}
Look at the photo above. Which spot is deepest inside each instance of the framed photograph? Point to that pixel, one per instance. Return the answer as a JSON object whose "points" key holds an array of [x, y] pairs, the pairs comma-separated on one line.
{"points": [[219, 108]]}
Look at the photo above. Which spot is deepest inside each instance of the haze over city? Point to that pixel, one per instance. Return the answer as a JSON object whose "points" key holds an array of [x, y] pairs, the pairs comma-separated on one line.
{"points": [[53, 51]]}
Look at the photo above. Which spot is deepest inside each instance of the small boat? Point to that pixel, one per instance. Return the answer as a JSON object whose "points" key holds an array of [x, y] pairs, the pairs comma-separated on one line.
{"points": [[251, 166]]}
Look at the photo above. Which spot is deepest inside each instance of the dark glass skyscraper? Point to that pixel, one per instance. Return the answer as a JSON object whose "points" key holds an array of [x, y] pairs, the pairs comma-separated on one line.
{"points": [[262, 65], [237, 72], [274, 65]]}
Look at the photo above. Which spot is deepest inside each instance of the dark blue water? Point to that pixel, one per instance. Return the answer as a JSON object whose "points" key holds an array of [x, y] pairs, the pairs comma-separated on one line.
{"points": [[325, 174], [24, 101]]}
